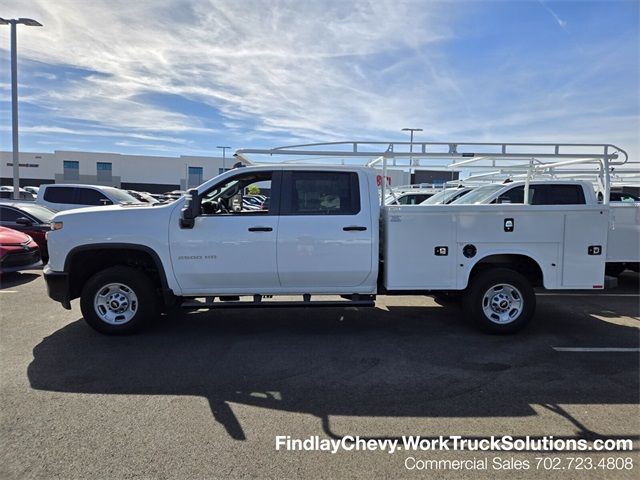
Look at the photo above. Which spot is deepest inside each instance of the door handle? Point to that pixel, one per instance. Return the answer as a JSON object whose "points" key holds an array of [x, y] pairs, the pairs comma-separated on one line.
{"points": [[260, 229], [354, 228]]}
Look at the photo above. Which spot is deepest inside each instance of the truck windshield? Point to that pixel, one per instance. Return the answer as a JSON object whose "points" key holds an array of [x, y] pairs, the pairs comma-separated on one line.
{"points": [[42, 214], [120, 196], [479, 194], [441, 197]]}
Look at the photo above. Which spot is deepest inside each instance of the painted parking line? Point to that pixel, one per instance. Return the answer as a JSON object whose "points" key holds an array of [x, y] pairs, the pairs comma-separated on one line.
{"points": [[591, 294], [8, 291], [596, 349]]}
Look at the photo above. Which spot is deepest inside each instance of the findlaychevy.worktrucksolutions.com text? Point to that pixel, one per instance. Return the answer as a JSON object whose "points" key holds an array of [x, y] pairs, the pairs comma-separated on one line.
{"points": [[504, 443]]}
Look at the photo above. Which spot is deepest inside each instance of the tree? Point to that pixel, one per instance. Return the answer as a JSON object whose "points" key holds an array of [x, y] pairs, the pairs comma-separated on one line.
{"points": [[253, 190]]}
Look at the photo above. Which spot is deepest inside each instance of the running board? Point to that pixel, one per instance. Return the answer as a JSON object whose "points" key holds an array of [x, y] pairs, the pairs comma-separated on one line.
{"points": [[210, 303]]}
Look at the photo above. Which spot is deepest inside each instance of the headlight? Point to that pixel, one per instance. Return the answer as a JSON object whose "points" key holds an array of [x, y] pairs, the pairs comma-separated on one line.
{"points": [[56, 225]]}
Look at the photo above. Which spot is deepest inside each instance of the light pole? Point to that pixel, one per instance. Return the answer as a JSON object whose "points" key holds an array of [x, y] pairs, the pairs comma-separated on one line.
{"points": [[224, 157], [411, 140], [411, 146], [14, 96]]}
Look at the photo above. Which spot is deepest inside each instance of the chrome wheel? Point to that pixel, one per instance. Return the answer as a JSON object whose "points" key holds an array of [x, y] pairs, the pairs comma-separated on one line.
{"points": [[115, 303], [502, 303]]}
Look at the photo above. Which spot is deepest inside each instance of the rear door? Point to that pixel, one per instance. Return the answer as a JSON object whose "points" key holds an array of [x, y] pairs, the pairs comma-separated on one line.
{"points": [[325, 234]]}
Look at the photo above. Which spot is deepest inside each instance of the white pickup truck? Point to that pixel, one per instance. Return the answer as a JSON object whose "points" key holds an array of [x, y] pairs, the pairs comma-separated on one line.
{"points": [[623, 239], [322, 232]]}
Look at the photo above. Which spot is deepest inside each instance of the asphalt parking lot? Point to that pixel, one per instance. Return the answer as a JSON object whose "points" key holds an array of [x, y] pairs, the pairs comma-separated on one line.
{"points": [[204, 394]]}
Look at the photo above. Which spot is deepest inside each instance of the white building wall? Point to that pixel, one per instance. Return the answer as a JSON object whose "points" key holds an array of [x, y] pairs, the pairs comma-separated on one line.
{"points": [[36, 168]]}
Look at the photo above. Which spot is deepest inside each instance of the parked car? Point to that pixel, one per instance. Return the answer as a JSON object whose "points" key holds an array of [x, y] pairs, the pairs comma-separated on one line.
{"points": [[17, 251], [623, 242], [623, 197], [7, 193], [143, 196], [445, 197], [541, 192], [161, 197], [410, 197], [32, 190], [29, 218], [60, 197], [174, 194]]}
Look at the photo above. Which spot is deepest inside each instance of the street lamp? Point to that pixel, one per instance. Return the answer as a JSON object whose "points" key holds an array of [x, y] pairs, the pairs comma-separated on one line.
{"points": [[14, 96], [411, 142], [224, 158]]}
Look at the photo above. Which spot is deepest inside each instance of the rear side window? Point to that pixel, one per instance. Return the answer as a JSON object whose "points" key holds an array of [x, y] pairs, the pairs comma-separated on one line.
{"points": [[89, 196], [321, 193], [559, 195], [60, 194]]}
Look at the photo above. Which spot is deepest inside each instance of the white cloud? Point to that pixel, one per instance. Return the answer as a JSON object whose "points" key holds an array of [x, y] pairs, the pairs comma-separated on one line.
{"points": [[285, 65], [311, 70]]}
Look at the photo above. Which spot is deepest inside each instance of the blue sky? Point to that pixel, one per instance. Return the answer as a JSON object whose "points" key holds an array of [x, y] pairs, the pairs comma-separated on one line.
{"points": [[171, 77]]}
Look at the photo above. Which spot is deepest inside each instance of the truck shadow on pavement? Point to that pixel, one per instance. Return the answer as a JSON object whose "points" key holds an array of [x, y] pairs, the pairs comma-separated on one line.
{"points": [[10, 280], [404, 362]]}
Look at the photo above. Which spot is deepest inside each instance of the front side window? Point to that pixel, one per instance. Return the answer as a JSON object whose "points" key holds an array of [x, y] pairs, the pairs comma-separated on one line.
{"points": [[515, 195], [88, 196], [321, 193], [248, 194]]}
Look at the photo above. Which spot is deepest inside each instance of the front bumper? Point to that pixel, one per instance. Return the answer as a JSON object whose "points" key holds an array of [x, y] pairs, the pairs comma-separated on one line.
{"points": [[58, 286], [16, 258]]}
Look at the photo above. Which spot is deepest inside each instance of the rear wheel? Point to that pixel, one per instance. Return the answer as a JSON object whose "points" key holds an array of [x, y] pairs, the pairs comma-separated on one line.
{"points": [[614, 269], [118, 301], [500, 301]]}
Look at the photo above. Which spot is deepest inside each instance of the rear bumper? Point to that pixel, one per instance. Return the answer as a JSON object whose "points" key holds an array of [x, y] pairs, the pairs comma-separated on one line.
{"points": [[58, 286]]}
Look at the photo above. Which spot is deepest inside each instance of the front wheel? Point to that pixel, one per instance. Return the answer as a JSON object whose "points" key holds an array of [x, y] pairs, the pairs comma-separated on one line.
{"points": [[500, 301], [118, 301]]}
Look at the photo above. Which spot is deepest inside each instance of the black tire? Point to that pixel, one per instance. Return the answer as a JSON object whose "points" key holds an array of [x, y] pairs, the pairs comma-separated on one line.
{"points": [[489, 280], [147, 305]]}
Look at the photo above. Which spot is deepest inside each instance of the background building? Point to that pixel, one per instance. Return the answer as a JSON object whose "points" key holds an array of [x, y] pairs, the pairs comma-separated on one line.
{"points": [[148, 173], [135, 172]]}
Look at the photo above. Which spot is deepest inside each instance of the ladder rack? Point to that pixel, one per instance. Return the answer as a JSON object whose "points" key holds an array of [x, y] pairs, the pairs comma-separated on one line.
{"points": [[441, 150], [539, 157]]}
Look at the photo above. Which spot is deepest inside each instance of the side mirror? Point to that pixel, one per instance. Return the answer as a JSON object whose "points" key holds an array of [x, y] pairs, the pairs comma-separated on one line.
{"points": [[191, 209], [24, 221]]}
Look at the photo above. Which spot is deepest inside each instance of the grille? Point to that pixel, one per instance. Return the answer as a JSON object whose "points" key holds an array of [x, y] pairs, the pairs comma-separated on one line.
{"points": [[20, 258]]}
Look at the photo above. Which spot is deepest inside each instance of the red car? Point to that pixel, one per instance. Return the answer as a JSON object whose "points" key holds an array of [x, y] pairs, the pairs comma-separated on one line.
{"points": [[17, 251], [28, 218]]}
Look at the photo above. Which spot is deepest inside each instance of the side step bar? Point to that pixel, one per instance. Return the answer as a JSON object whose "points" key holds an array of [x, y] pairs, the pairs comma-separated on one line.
{"points": [[210, 303]]}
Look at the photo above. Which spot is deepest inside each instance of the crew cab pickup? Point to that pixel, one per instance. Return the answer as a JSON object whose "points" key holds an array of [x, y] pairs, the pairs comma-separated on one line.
{"points": [[322, 232], [623, 238]]}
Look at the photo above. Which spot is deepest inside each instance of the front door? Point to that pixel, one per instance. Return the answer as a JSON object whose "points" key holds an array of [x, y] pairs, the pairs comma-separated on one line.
{"points": [[232, 247]]}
